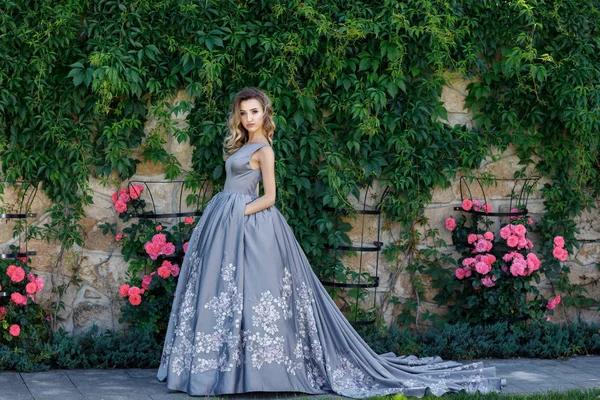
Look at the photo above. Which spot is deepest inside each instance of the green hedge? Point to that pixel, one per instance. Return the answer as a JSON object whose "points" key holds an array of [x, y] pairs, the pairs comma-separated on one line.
{"points": [[140, 349]]}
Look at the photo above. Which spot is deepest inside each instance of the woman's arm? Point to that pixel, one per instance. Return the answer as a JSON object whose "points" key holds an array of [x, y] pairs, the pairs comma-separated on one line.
{"points": [[266, 159]]}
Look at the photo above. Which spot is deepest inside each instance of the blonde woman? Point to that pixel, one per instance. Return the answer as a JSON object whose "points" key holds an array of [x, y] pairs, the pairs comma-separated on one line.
{"points": [[250, 315]]}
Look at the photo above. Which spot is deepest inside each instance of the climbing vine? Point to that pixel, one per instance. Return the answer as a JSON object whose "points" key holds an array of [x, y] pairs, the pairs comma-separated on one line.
{"points": [[356, 88]]}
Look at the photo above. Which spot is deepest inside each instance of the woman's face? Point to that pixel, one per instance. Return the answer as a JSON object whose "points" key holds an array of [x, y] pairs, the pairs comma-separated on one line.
{"points": [[252, 116]]}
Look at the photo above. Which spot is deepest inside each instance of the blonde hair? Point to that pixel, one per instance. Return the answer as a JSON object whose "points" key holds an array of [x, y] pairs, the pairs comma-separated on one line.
{"points": [[238, 135]]}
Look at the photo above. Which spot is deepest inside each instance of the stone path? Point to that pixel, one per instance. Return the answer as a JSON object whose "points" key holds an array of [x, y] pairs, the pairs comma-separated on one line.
{"points": [[522, 375]]}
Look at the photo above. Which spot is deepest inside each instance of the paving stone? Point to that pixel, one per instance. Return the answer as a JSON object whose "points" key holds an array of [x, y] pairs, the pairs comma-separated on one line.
{"points": [[50, 384]]}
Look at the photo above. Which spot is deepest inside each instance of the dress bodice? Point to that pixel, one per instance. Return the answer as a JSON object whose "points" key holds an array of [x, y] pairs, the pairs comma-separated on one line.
{"points": [[241, 178]]}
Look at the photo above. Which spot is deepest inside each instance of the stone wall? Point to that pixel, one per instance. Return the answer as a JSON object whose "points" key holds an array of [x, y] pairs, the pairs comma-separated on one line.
{"points": [[101, 269]]}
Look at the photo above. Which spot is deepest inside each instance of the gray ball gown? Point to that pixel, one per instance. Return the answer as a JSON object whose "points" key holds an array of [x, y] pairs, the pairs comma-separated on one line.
{"points": [[249, 315]]}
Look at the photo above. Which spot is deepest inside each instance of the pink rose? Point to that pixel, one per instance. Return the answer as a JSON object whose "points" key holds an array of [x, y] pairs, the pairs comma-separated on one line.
{"points": [[120, 206], [114, 197], [487, 207], [159, 228], [185, 246], [18, 275], [471, 238], [460, 273], [39, 282], [168, 249], [522, 243], [2, 313], [468, 261], [467, 272], [18, 299], [133, 291], [135, 191], [560, 254], [190, 221], [175, 270], [10, 270], [518, 267], [488, 282], [467, 204], [505, 232], [146, 281], [152, 249], [124, 290], [520, 230], [559, 241], [553, 303], [135, 299], [481, 246], [533, 262], [119, 236], [512, 241], [31, 288], [488, 236], [159, 239], [14, 330], [530, 220], [124, 198], [164, 272], [482, 268], [489, 258], [123, 191]]}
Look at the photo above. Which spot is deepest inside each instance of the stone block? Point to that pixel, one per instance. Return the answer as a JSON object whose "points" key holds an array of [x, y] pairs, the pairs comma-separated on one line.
{"points": [[103, 272], [454, 94], [459, 119], [588, 253], [588, 224], [94, 239], [443, 196], [87, 314]]}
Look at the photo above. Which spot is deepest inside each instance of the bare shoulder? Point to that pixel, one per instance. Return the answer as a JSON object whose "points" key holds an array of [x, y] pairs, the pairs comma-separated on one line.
{"points": [[266, 153]]}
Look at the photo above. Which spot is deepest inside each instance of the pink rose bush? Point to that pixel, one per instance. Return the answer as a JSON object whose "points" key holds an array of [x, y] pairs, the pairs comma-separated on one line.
{"points": [[154, 250], [497, 272], [124, 196], [20, 313]]}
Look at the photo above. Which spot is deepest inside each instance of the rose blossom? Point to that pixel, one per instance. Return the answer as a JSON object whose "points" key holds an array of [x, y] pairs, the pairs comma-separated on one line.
{"points": [[505, 231], [518, 267], [168, 249], [472, 238], [124, 198], [520, 230], [488, 236], [467, 272], [512, 241], [487, 207], [553, 303], [39, 282], [450, 224], [467, 204], [559, 241], [560, 253], [164, 271], [152, 249], [14, 330], [2, 313], [159, 228], [120, 206], [481, 246], [18, 299], [135, 191], [533, 262], [190, 220], [483, 268], [16, 274], [124, 290], [31, 288], [460, 273], [119, 236], [133, 291], [114, 197], [135, 299], [488, 282], [146, 281], [159, 239]]}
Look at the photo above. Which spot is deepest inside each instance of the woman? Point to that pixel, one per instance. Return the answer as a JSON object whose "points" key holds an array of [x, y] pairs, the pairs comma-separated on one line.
{"points": [[249, 313]]}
